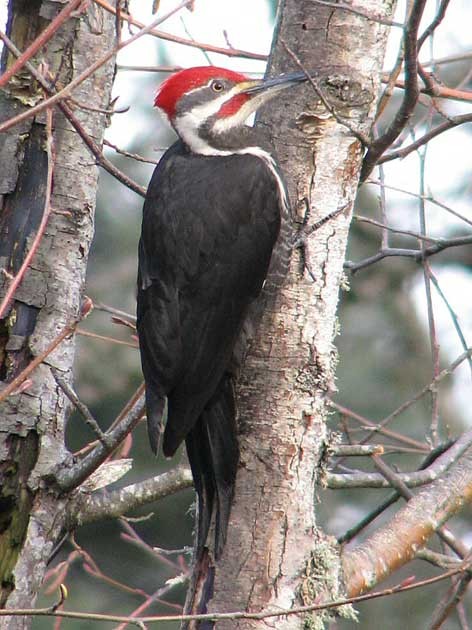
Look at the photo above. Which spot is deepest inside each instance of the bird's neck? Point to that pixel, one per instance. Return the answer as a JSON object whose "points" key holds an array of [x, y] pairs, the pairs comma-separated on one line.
{"points": [[243, 141], [202, 139]]}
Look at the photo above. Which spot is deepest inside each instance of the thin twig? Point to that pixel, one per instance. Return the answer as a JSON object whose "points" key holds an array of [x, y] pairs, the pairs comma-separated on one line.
{"points": [[465, 356], [374, 428], [438, 18], [133, 156], [91, 144], [450, 601], [453, 315], [412, 479], [229, 52], [429, 198], [81, 407], [120, 342], [40, 41], [383, 226], [399, 588], [131, 68], [437, 90], [417, 255], [452, 122], [410, 97], [66, 91], [429, 303], [69, 478], [100, 306]]}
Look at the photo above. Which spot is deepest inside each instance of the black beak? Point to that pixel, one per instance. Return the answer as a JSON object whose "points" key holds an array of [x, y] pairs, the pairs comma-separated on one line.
{"points": [[283, 80]]}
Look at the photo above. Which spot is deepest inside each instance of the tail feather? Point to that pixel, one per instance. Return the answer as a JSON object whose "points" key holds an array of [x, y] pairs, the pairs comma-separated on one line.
{"points": [[155, 408], [199, 457], [213, 452]]}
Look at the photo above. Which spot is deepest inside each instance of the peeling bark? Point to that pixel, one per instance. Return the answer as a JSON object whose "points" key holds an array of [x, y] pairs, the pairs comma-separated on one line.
{"points": [[49, 298], [275, 554]]}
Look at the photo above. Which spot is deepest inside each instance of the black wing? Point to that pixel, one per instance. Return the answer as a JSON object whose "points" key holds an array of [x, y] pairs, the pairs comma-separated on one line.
{"points": [[209, 226]]}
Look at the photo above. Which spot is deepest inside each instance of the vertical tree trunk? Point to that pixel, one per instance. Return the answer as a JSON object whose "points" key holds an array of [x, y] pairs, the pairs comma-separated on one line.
{"points": [[275, 556], [49, 297]]}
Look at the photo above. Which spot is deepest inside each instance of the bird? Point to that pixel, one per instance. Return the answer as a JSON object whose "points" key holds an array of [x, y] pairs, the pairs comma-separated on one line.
{"points": [[211, 219]]}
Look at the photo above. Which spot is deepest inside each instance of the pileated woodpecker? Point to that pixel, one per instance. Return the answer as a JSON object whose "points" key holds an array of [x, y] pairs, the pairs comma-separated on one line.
{"points": [[210, 221]]}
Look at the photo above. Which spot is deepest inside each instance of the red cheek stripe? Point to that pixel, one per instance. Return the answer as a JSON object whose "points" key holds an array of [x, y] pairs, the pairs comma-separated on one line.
{"points": [[232, 106]]}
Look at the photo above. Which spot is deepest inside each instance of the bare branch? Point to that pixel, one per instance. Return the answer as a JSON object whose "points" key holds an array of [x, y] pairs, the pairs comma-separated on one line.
{"points": [[81, 407], [71, 477], [120, 342], [409, 529], [429, 198], [450, 601], [133, 156], [417, 254], [355, 450], [410, 97], [66, 91], [438, 18], [229, 52], [89, 508], [436, 89], [91, 144], [374, 428], [411, 480], [455, 121], [390, 500]]}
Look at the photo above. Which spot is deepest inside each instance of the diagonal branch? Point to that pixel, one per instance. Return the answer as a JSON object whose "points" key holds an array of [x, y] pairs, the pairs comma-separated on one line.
{"points": [[69, 478], [66, 91], [90, 143], [395, 544], [229, 52], [452, 122]]}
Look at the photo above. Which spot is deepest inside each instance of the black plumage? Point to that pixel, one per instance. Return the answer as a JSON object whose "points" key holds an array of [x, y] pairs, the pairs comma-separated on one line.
{"points": [[209, 227]]}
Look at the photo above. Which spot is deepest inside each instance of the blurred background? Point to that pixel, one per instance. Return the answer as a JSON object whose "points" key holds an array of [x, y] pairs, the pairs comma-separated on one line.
{"points": [[383, 342]]}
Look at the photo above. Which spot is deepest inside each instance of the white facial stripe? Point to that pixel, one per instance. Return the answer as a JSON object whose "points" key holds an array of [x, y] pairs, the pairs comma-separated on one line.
{"points": [[187, 124]]}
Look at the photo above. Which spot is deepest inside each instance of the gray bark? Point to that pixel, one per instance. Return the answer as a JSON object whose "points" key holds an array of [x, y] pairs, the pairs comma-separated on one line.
{"points": [[49, 298], [276, 556]]}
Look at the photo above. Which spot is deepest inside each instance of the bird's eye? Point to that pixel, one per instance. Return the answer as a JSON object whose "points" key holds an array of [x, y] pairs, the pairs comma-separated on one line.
{"points": [[217, 86]]}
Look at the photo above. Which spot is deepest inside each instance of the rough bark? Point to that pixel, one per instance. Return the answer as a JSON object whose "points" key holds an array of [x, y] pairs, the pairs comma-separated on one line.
{"points": [[275, 555], [49, 298]]}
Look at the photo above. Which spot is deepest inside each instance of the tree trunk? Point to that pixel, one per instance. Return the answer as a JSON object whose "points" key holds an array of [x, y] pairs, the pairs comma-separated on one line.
{"points": [[49, 298], [276, 556]]}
